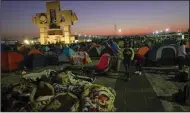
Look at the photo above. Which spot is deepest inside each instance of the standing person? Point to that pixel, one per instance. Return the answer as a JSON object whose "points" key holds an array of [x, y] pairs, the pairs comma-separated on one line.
{"points": [[181, 55], [128, 55]]}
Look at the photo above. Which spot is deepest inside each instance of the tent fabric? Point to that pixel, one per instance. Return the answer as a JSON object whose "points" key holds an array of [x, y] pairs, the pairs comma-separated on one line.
{"points": [[46, 48], [108, 50], [101, 48], [2, 47], [87, 59], [51, 59], [34, 51], [68, 52], [115, 47], [142, 51], [62, 58], [81, 57], [25, 52], [10, 61], [22, 48], [168, 56], [160, 51], [140, 59], [58, 50], [94, 52], [35, 61], [153, 52], [104, 62]]}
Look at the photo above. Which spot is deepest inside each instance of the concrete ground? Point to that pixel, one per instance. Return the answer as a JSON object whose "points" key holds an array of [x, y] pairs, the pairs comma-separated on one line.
{"points": [[140, 94]]}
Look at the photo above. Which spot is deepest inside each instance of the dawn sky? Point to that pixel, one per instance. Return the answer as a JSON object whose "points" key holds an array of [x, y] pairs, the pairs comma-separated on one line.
{"points": [[99, 17]]}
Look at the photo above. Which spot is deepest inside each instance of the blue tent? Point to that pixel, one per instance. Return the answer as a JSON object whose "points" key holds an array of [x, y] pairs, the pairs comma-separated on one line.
{"points": [[68, 52], [115, 47]]}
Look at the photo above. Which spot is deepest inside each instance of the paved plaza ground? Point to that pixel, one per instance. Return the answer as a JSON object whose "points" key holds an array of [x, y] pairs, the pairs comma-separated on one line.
{"points": [[140, 94]]}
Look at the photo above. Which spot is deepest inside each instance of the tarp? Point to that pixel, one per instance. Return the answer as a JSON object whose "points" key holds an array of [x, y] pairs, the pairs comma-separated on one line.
{"points": [[142, 51], [35, 61], [34, 51], [68, 52], [94, 52], [10, 61]]}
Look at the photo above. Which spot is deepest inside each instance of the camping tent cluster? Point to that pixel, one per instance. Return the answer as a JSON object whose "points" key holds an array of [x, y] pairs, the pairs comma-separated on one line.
{"points": [[160, 54], [50, 91], [34, 58]]}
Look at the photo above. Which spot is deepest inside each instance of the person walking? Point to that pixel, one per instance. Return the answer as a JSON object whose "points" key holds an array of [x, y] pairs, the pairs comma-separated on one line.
{"points": [[128, 55]]}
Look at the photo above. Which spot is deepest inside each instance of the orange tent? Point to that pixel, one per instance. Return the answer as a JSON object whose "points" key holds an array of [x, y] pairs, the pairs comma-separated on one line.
{"points": [[34, 51], [10, 61], [142, 51], [187, 45]]}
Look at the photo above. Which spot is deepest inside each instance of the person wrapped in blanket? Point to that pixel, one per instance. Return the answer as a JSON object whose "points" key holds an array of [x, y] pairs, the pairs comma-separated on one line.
{"points": [[57, 92], [97, 98]]}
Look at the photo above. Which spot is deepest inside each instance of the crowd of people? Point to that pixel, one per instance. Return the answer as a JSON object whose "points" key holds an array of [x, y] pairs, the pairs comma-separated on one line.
{"points": [[131, 51]]}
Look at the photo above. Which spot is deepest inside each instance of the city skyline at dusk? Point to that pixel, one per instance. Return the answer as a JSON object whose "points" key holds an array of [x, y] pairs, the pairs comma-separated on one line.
{"points": [[99, 17]]}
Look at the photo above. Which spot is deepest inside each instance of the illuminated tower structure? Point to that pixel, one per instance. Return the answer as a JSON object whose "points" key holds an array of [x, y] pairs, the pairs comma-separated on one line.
{"points": [[51, 22]]}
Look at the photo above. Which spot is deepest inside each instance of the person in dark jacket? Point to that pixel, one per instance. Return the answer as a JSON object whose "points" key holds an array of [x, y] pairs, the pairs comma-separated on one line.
{"points": [[128, 55]]}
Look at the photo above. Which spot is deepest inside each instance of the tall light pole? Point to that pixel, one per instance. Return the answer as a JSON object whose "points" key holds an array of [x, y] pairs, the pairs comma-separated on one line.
{"points": [[115, 29]]}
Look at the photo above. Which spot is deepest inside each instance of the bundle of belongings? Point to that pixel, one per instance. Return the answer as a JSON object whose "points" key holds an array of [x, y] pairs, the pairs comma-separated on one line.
{"points": [[81, 58], [50, 91]]}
